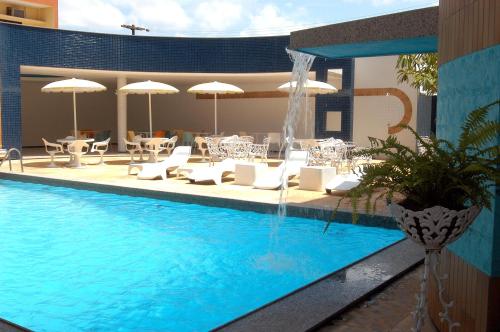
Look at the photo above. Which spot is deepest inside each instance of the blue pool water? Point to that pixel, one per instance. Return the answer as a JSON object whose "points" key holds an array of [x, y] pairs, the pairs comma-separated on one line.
{"points": [[77, 260]]}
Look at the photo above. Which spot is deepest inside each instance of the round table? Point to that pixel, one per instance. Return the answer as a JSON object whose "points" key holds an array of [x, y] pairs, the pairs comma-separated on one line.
{"points": [[145, 140]]}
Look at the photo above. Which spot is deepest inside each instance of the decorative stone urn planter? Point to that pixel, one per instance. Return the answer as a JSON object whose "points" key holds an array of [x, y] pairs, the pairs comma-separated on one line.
{"points": [[434, 227]]}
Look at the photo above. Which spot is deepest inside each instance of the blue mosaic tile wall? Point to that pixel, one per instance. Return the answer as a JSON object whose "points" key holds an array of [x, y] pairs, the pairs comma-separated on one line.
{"points": [[22, 45], [476, 76]]}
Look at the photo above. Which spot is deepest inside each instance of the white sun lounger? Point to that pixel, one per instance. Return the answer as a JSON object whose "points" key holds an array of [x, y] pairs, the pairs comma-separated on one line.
{"points": [[272, 178], [210, 173], [342, 183], [149, 171]]}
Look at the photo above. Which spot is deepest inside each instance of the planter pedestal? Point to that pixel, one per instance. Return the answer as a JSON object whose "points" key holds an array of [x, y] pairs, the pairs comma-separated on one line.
{"points": [[433, 228]]}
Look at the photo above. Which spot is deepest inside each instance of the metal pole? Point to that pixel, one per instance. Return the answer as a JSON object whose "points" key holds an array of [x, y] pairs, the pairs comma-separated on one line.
{"points": [[306, 122], [150, 120], [74, 115], [215, 117]]}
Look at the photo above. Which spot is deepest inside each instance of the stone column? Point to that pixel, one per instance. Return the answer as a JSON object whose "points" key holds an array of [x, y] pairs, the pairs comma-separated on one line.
{"points": [[121, 114]]}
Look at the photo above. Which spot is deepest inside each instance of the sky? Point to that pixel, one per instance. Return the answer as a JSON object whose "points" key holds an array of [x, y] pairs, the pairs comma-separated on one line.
{"points": [[215, 18]]}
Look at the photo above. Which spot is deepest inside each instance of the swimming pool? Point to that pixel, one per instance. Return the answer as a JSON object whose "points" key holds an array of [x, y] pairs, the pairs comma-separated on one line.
{"points": [[78, 260]]}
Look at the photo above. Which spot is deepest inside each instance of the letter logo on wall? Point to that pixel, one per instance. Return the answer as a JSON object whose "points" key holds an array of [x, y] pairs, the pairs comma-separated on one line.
{"points": [[407, 113]]}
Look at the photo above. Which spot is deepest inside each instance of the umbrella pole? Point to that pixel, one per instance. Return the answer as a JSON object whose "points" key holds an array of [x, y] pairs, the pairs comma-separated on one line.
{"points": [[150, 120], [306, 127], [74, 115], [215, 113]]}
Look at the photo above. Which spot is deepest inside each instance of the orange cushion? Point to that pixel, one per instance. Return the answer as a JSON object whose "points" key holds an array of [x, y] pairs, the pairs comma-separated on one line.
{"points": [[159, 133]]}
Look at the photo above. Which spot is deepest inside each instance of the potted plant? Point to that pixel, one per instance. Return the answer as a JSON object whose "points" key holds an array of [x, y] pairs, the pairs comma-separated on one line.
{"points": [[434, 193], [443, 186]]}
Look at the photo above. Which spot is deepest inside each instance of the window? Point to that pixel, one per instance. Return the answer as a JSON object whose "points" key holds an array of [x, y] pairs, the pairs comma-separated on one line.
{"points": [[333, 121], [335, 78]]}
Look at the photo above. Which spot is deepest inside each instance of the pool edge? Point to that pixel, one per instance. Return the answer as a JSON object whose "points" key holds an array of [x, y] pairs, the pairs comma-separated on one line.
{"points": [[317, 303], [293, 209], [8, 326]]}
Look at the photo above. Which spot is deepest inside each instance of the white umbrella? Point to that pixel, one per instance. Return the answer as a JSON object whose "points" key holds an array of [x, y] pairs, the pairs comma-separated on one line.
{"points": [[215, 88], [74, 86], [311, 88], [149, 88]]}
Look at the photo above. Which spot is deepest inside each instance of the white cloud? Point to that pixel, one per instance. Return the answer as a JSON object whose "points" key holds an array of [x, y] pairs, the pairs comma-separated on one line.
{"points": [[387, 3], [101, 15], [218, 15], [208, 17], [159, 15], [270, 21], [93, 15]]}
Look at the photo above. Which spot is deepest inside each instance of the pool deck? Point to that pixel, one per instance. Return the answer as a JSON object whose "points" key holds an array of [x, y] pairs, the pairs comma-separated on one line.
{"points": [[115, 174]]}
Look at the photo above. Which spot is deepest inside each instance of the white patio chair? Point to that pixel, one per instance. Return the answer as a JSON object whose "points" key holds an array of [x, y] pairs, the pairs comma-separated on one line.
{"points": [[259, 150], [77, 149], [149, 171], [271, 179], [52, 149], [209, 173], [201, 145], [101, 148], [132, 148], [154, 147], [169, 145]]}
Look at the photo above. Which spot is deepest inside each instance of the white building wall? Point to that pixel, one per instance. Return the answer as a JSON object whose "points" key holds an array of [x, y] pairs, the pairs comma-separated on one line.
{"points": [[50, 115], [372, 115]]}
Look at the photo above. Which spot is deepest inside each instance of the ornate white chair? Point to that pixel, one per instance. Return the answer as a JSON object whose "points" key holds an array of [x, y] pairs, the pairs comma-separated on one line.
{"points": [[214, 151], [52, 149], [247, 138], [101, 148], [259, 150]]}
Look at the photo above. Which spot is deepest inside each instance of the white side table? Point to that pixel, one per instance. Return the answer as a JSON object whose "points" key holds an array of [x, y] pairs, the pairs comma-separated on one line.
{"points": [[245, 173], [316, 177]]}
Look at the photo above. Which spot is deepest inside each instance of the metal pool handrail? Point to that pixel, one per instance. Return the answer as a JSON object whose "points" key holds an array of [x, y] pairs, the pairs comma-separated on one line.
{"points": [[9, 158]]}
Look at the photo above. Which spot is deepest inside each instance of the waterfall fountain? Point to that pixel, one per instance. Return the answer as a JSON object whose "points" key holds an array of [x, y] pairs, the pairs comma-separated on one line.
{"points": [[302, 63], [296, 105]]}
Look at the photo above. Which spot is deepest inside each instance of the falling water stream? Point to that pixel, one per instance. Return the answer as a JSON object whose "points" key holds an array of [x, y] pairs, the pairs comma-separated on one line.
{"points": [[296, 107], [302, 63]]}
